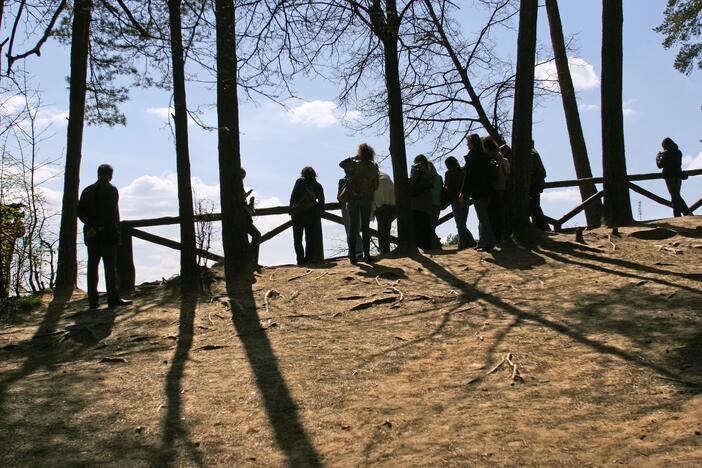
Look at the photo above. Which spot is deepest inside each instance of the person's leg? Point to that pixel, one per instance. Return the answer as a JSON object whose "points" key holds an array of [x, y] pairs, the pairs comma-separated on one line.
{"points": [[423, 229], [92, 273], [298, 228], [435, 241], [383, 216], [670, 184], [354, 226], [537, 214], [460, 216], [365, 209], [482, 208], [109, 254], [496, 214], [255, 242]]}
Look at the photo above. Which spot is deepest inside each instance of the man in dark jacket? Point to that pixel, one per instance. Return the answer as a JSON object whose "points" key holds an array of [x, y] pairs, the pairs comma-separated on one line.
{"points": [[670, 160], [420, 185], [478, 186], [98, 210], [538, 180]]}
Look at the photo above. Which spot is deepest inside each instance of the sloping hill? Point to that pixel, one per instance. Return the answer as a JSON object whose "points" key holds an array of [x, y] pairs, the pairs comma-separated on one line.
{"points": [[400, 363]]}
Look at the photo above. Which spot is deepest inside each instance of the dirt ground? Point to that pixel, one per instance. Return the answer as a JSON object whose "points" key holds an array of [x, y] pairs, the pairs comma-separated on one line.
{"points": [[380, 365]]}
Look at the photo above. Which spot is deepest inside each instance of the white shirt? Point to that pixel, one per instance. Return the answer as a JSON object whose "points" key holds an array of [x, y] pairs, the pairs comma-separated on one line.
{"points": [[385, 193]]}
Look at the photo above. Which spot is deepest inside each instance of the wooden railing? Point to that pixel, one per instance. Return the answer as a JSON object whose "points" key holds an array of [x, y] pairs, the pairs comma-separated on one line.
{"points": [[131, 228]]}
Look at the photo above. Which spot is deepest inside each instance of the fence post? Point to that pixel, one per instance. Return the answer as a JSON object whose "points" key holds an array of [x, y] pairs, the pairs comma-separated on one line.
{"points": [[125, 263]]}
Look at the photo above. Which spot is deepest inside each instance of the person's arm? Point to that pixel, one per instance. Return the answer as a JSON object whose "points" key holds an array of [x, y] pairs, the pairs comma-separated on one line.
{"points": [[346, 164], [85, 208], [320, 194]]}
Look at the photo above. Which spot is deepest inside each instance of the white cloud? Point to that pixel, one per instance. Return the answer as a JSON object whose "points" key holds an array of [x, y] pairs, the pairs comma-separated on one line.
{"points": [[318, 114], [563, 195], [589, 107], [628, 109], [692, 162], [11, 104], [582, 73], [163, 112]]}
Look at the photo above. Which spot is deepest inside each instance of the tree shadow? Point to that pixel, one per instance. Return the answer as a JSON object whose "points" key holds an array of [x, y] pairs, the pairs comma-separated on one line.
{"points": [[281, 409], [173, 428], [567, 330]]}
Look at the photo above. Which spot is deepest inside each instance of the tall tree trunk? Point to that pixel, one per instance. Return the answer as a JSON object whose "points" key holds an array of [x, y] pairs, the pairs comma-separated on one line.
{"points": [[398, 150], [237, 260], [80, 37], [617, 204], [593, 212], [188, 265], [522, 116]]}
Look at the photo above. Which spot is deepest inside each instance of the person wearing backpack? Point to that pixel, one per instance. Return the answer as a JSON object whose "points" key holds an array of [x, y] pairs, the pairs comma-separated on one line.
{"points": [[498, 218], [420, 185], [306, 206], [363, 182], [453, 181], [670, 160], [478, 185]]}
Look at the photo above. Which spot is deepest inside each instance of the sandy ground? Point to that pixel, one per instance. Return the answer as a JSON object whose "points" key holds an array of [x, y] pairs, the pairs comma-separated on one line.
{"points": [[380, 365]]}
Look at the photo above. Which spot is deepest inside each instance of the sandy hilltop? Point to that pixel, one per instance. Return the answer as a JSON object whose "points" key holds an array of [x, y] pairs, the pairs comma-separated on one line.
{"points": [[553, 353]]}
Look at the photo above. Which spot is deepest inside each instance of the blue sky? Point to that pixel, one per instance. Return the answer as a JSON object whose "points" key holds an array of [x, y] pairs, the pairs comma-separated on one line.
{"points": [[277, 142]]}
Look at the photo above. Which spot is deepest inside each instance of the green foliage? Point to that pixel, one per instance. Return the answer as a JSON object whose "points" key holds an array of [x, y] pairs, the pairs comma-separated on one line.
{"points": [[682, 26]]}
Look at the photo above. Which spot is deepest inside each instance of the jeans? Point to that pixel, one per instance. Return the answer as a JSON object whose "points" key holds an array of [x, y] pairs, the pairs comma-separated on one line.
{"points": [[359, 212], [460, 215], [99, 249], [347, 227], [255, 242], [384, 215], [497, 214], [304, 222], [422, 229], [486, 237], [679, 205]]}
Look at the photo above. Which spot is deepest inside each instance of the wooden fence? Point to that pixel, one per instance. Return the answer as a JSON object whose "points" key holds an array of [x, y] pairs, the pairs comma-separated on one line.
{"points": [[132, 228]]}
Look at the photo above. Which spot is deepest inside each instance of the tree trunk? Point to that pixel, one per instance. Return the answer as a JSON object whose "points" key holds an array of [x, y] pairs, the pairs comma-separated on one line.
{"points": [[80, 37], [398, 150], [522, 117], [617, 204], [188, 265], [593, 212], [237, 260]]}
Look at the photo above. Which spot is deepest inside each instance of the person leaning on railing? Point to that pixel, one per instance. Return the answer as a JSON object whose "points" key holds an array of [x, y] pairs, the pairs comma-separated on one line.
{"points": [[670, 160]]}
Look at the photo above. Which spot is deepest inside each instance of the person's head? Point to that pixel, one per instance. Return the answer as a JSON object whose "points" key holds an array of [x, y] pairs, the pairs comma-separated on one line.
{"points": [[489, 144], [532, 144], [431, 167], [308, 173], [365, 152], [474, 142], [104, 172], [506, 151], [421, 159], [452, 163], [243, 173], [667, 143]]}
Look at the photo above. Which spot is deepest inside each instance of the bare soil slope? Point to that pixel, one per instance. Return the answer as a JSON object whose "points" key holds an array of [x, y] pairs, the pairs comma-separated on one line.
{"points": [[392, 364]]}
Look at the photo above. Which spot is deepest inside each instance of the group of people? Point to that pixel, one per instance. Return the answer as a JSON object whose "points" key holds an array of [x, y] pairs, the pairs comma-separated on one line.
{"points": [[365, 193]]}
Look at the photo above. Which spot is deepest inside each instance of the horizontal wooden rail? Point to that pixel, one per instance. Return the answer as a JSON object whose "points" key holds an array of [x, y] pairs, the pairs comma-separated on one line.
{"points": [[147, 236], [557, 224], [599, 180], [339, 220], [651, 195]]}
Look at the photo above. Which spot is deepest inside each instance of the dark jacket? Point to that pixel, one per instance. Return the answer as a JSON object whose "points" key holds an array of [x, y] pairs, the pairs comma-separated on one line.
{"points": [[670, 161], [98, 209], [363, 178], [538, 172], [479, 175], [307, 188], [453, 181], [420, 185]]}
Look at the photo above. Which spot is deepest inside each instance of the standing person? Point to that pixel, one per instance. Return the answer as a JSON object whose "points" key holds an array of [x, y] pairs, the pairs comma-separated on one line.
{"points": [[420, 184], [436, 189], [497, 202], [538, 180], [251, 228], [306, 205], [670, 160], [363, 181], [453, 181], [342, 196], [478, 186], [384, 210], [99, 211]]}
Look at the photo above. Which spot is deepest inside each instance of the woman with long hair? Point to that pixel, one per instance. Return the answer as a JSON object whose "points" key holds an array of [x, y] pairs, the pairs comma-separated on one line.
{"points": [[306, 206]]}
